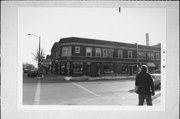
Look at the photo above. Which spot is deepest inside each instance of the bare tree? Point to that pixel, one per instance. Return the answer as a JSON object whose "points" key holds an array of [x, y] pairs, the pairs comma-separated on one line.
{"points": [[38, 55]]}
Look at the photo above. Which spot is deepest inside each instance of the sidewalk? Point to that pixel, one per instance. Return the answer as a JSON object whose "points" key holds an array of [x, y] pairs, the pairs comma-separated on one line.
{"points": [[60, 78], [83, 78]]}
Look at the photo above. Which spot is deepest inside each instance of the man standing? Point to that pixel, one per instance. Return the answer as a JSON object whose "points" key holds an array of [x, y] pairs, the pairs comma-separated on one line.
{"points": [[145, 86]]}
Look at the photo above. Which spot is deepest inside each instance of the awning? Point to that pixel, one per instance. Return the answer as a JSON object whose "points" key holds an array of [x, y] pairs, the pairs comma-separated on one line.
{"points": [[150, 64]]}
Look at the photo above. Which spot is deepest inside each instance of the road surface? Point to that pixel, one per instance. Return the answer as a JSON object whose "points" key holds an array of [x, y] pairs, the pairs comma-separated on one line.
{"points": [[103, 92]]}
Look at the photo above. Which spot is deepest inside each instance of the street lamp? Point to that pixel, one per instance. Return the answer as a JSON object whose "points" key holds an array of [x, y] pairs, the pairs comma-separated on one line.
{"points": [[137, 56], [39, 59]]}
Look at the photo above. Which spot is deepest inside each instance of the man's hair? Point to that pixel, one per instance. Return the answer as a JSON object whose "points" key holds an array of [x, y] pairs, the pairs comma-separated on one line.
{"points": [[144, 69]]}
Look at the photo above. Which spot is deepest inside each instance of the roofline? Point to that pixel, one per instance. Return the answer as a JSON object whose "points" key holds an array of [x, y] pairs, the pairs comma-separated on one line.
{"points": [[109, 41]]}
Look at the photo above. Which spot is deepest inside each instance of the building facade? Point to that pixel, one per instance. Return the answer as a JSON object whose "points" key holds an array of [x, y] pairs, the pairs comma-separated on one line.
{"points": [[82, 56]]}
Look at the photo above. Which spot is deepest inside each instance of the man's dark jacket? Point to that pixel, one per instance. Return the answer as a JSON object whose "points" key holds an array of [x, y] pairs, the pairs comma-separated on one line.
{"points": [[145, 83]]}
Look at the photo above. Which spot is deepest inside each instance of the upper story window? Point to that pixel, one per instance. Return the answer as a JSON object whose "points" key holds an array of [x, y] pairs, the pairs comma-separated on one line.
{"points": [[88, 51], [150, 55], [130, 56], [66, 51], [57, 53], [98, 52], [77, 49], [157, 56], [120, 53], [141, 55], [108, 53]]}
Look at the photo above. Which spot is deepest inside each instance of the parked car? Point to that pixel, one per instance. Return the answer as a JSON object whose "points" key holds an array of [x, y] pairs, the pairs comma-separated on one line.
{"points": [[32, 73], [157, 80], [26, 70], [156, 71]]}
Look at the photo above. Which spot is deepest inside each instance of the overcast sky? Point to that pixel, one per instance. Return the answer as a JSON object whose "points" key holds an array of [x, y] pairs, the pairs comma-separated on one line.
{"points": [[51, 24]]}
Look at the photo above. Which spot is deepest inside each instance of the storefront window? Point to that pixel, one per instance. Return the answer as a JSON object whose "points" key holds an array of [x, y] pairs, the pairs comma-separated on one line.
{"points": [[78, 67], [108, 67], [124, 68], [63, 68]]}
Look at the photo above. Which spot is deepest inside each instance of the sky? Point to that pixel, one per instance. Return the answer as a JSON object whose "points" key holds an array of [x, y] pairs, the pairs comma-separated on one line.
{"points": [[128, 26]]}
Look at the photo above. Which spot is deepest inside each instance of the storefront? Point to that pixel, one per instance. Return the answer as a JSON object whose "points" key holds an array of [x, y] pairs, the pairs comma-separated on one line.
{"points": [[108, 68], [77, 68]]}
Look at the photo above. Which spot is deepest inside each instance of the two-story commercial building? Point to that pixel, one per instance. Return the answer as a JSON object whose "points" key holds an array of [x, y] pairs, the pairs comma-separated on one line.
{"points": [[82, 56]]}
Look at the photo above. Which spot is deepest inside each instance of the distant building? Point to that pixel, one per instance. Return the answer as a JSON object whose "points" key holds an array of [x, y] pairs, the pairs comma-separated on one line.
{"points": [[82, 56]]}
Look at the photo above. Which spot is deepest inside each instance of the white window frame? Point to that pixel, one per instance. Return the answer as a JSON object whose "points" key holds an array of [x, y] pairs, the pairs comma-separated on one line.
{"points": [[67, 51], [120, 54], [77, 49], [158, 56], [141, 55], [98, 50], [105, 54], [64, 51], [152, 56], [130, 54], [90, 51]]}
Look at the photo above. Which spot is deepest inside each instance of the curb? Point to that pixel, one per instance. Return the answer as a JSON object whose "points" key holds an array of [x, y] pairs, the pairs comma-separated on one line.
{"points": [[98, 78]]}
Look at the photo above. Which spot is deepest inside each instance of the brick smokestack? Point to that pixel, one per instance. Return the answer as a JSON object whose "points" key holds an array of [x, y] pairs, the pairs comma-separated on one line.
{"points": [[147, 39]]}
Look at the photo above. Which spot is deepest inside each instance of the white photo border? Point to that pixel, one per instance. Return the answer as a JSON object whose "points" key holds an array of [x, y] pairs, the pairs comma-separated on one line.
{"points": [[11, 99]]}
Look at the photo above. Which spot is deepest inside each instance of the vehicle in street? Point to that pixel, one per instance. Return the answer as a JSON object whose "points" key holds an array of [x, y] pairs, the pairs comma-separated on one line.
{"points": [[26, 70], [32, 73], [157, 80], [156, 71]]}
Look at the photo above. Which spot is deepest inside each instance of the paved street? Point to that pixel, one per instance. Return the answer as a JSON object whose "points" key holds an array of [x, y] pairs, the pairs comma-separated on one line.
{"points": [[61, 92]]}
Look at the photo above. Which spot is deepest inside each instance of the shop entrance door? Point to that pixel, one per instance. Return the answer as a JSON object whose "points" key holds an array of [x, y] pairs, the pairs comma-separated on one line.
{"points": [[88, 68], [130, 70]]}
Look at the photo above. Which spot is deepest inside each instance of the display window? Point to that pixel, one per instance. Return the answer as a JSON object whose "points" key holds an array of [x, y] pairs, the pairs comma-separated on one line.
{"points": [[108, 67], [78, 67]]}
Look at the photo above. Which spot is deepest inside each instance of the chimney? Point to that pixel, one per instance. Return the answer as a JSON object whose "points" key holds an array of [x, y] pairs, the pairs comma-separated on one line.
{"points": [[147, 39]]}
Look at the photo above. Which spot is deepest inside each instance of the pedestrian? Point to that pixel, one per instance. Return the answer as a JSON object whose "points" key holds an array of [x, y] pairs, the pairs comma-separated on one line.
{"points": [[144, 86]]}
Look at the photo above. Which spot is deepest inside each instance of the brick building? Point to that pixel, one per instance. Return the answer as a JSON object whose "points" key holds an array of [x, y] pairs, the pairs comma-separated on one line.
{"points": [[82, 56]]}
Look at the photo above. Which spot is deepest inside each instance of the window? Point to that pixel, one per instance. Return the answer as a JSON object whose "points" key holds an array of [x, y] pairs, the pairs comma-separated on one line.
{"points": [[77, 49], [130, 54], [78, 67], [141, 55], [150, 55], [66, 51], [157, 56], [108, 53], [57, 53], [124, 68], [120, 54], [108, 67], [88, 52], [63, 68], [98, 52]]}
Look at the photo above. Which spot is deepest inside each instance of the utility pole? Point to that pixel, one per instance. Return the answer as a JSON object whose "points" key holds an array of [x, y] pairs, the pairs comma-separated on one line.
{"points": [[137, 50], [39, 54]]}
